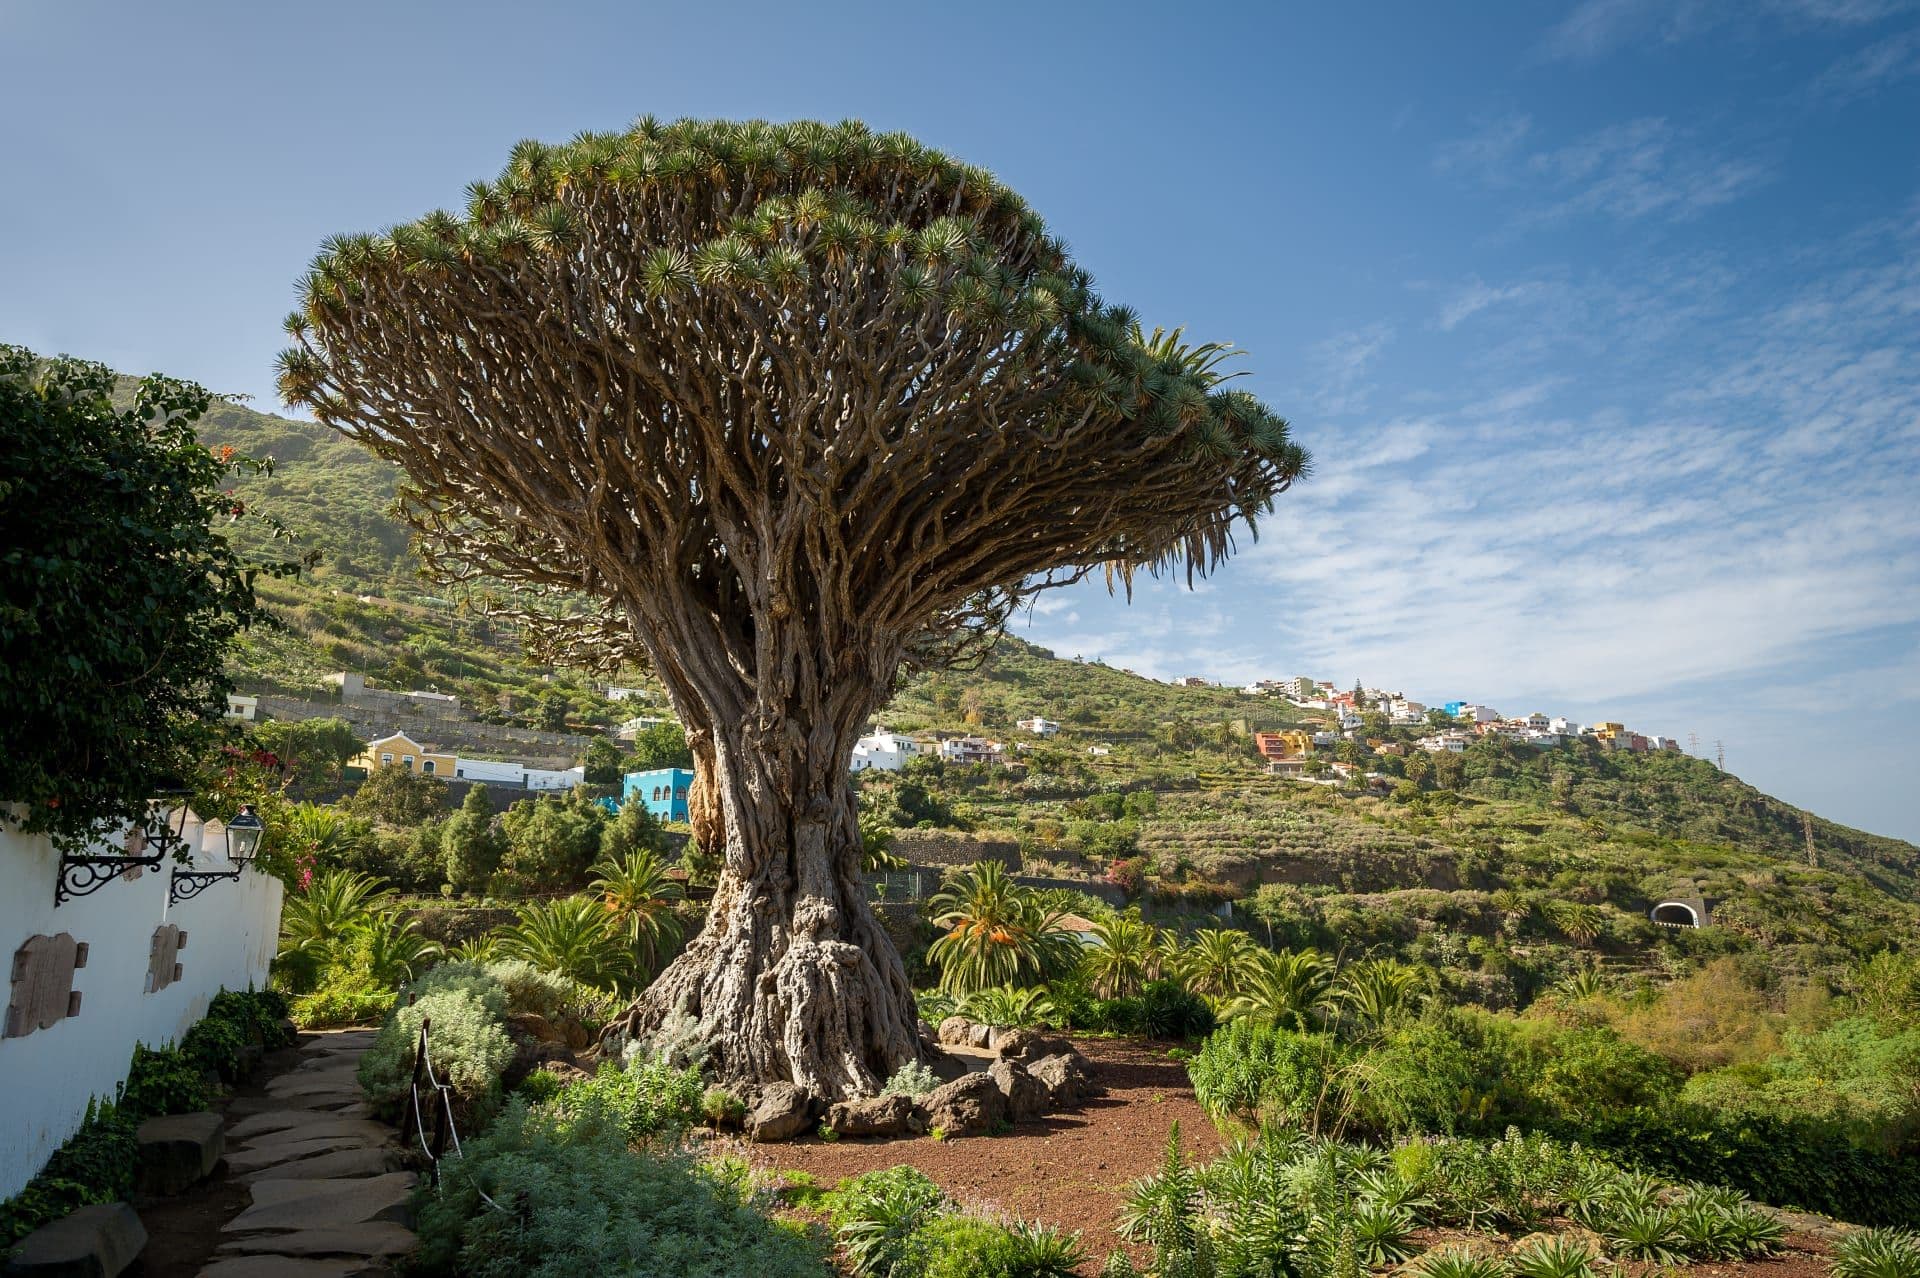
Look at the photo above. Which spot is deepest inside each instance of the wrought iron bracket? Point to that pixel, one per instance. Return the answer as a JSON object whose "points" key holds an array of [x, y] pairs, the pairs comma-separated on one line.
{"points": [[83, 874], [187, 884]]}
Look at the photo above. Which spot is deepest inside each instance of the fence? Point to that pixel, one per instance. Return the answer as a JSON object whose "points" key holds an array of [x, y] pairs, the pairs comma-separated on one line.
{"points": [[128, 956], [444, 1130]]}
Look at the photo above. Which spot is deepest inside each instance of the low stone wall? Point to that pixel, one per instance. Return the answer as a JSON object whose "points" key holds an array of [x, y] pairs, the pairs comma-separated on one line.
{"points": [[948, 848], [557, 750]]}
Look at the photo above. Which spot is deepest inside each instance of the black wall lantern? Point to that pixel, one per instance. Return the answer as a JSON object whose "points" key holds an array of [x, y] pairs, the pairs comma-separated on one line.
{"points": [[84, 873]]}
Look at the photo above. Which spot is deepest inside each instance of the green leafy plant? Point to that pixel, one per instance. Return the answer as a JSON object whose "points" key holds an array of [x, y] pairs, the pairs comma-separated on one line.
{"points": [[1448, 1262], [1646, 1233], [876, 1215], [1163, 1209], [996, 932], [1877, 1253], [572, 936], [721, 1107], [1555, 1257], [915, 1078], [1380, 1232]]}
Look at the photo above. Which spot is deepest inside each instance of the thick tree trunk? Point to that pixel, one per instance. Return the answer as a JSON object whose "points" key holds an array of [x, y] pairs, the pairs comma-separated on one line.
{"points": [[792, 979]]}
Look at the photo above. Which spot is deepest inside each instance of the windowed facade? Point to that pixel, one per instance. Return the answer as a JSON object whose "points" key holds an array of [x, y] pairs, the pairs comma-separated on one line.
{"points": [[663, 791]]}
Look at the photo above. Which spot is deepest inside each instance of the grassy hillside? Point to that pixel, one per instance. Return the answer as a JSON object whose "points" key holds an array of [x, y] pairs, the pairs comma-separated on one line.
{"points": [[1534, 831]]}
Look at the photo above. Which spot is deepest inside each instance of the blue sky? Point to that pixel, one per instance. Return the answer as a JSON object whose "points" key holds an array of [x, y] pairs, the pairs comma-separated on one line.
{"points": [[1602, 320]]}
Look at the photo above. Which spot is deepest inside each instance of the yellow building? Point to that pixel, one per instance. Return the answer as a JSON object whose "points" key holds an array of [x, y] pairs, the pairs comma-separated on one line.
{"points": [[402, 751], [1608, 731]]}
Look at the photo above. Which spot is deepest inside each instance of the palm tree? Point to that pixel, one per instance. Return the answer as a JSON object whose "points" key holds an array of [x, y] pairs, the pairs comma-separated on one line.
{"points": [[640, 897], [1375, 991], [1578, 921], [1291, 988], [573, 936], [997, 932], [396, 950], [1118, 962], [1217, 961], [335, 904]]}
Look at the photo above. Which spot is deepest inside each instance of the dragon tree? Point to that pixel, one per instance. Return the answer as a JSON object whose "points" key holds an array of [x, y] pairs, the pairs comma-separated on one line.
{"points": [[797, 407]]}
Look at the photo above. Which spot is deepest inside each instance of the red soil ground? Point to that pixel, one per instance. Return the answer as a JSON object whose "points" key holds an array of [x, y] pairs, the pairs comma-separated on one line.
{"points": [[1068, 1169]]}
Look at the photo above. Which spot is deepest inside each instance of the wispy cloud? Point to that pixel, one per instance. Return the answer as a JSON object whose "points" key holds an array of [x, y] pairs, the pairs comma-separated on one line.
{"points": [[1477, 296], [1868, 69], [1344, 363], [1642, 168], [1595, 28]]}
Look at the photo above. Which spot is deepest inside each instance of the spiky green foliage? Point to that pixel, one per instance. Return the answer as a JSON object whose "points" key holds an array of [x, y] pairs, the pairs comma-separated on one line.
{"points": [[1877, 1253], [573, 936], [640, 898], [997, 932], [1293, 989], [1121, 956]]}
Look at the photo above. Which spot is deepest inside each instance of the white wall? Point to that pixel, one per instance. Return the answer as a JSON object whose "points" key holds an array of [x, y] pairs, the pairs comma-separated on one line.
{"points": [[48, 1076]]}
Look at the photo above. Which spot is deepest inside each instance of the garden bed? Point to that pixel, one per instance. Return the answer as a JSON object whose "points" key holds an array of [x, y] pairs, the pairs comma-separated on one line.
{"points": [[1066, 1169]]}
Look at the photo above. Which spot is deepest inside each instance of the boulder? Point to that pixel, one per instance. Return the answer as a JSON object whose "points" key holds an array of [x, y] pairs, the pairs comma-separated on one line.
{"points": [[968, 1106], [979, 1036], [1068, 1076], [1028, 1045], [781, 1111], [1027, 1097], [877, 1116], [947, 1067], [955, 1031], [177, 1151], [91, 1242], [535, 1027]]}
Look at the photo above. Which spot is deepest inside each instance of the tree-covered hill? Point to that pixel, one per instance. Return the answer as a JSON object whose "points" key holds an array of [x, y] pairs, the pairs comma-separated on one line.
{"points": [[1574, 822]]}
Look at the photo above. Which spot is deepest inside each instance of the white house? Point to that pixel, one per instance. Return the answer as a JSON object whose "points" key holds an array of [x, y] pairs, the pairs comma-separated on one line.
{"points": [[1039, 727], [517, 776], [970, 750], [1099, 751], [1324, 739], [1537, 722], [1444, 743], [242, 707], [623, 694], [1348, 719], [1563, 725], [883, 752], [1541, 740], [1479, 714], [634, 727]]}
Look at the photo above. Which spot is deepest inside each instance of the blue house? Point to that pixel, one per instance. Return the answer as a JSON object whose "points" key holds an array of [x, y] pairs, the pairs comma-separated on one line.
{"points": [[663, 790], [1453, 708]]}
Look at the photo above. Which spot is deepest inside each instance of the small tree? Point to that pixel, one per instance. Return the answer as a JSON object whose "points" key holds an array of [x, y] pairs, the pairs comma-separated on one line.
{"points": [[120, 593], [400, 797], [551, 842], [604, 762], [471, 844]]}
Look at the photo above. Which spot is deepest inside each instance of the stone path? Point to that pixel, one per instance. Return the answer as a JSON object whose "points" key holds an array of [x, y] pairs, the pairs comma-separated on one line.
{"points": [[328, 1193]]}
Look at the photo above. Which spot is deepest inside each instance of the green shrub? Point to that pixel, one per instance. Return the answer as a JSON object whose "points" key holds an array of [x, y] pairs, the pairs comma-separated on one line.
{"points": [[1169, 1010], [466, 1045], [1253, 1072], [347, 1002], [95, 1165], [582, 1202], [647, 1098], [876, 1216], [215, 1044], [915, 1078], [539, 1085], [1646, 1234], [163, 1082], [528, 989], [1877, 1253], [1447, 1262], [722, 1108], [1558, 1257]]}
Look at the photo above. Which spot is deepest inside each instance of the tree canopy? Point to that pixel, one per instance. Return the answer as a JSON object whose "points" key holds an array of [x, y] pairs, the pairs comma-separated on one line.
{"points": [[119, 591], [792, 406]]}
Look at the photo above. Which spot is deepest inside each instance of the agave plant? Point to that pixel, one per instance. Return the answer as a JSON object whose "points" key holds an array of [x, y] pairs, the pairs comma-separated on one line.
{"points": [[482, 949], [640, 897], [1557, 1257], [1216, 962], [997, 932], [1380, 1232], [1705, 1230], [1286, 989], [1386, 1185], [1449, 1262], [1583, 985], [573, 936], [1646, 1234], [1877, 1253], [1042, 1251], [1755, 1231]]}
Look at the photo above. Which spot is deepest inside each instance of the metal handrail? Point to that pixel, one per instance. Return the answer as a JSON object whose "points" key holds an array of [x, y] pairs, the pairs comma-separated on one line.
{"points": [[443, 1124]]}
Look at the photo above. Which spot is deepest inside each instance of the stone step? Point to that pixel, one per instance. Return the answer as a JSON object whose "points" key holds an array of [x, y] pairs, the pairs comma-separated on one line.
{"points": [[338, 1164], [376, 1239], [301, 1124], [100, 1241], [271, 1153], [314, 1204], [285, 1267], [177, 1151]]}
